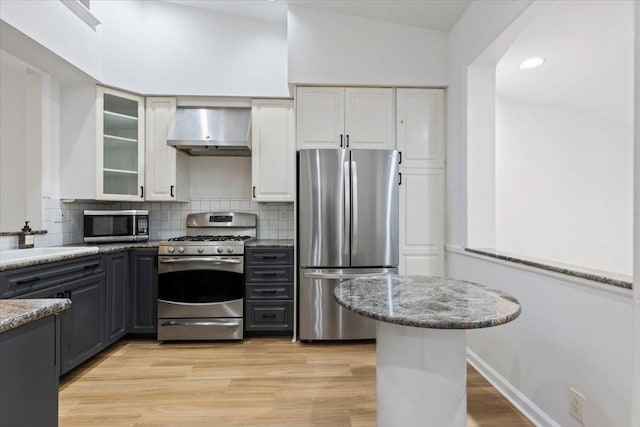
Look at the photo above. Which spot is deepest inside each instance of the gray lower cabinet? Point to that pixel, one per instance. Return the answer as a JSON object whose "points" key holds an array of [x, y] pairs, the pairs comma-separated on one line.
{"points": [[143, 315], [268, 290], [83, 324], [111, 295], [117, 298], [29, 375]]}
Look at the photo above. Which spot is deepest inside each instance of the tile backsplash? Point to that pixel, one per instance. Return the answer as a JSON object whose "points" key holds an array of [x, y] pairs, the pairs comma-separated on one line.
{"points": [[63, 221]]}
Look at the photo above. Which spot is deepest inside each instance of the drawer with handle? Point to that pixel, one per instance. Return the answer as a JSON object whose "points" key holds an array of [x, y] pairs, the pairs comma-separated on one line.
{"points": [[270, 291], [269, 316], [269, 274], [269, 256]]}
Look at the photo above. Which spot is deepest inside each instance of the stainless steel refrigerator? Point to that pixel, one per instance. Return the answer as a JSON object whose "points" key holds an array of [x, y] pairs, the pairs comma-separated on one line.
{"points": [[347, 228]]}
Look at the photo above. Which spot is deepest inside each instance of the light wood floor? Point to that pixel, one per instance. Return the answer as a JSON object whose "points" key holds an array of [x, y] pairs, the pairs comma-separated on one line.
{"points": [[257, 382]]}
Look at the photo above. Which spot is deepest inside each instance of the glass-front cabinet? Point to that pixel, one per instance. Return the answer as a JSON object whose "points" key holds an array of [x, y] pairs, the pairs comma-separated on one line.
{"points": [[120, 151]]}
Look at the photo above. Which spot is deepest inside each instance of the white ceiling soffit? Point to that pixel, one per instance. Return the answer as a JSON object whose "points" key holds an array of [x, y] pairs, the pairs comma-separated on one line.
{"points": [[438, 15], [588, 47]]}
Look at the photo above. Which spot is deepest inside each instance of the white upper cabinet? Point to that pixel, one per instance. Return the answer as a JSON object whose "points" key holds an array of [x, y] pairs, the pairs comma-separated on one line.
{"points": [[166, 169], [335, 117], [420, 127], [368, 120], [120, 145], [273, 166]]}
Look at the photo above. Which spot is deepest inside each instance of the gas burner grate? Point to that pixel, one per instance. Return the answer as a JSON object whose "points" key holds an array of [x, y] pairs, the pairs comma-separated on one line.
{"points": [[225, 238]]}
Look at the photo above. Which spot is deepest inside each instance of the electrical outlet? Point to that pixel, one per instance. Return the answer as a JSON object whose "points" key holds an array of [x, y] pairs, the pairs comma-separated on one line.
{"points": [[576, 405], [165, 216]]}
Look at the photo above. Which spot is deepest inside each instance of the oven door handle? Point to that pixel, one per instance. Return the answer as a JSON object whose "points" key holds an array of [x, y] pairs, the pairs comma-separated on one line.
{"points": [[200, 259], [174, 323]]}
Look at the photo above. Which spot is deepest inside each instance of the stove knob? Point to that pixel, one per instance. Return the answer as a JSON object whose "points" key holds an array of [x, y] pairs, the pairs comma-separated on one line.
{"points": [[200, 249], [180, 250], [219, 249], [171, 249], [230, 250]]}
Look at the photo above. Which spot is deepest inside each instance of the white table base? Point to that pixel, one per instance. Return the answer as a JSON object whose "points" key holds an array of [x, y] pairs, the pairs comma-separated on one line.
{"points": [[420, 376]]}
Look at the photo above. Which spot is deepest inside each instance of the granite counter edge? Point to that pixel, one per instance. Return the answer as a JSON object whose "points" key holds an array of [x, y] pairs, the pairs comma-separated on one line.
{"points": [[27, 313]]}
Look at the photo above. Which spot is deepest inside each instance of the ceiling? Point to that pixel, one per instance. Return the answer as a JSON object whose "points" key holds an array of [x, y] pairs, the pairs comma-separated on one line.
{"points": [[588, 48], [438, 15]]}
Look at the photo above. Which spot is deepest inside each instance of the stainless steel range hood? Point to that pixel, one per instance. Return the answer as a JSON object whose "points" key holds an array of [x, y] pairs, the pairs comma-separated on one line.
{"points": [[212, 131]]}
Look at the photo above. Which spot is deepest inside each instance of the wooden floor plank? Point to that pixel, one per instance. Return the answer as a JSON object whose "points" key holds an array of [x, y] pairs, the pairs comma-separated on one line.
{"points": [[257, 382]]}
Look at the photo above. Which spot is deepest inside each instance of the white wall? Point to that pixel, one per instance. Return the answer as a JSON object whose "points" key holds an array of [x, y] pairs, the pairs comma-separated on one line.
{"points": [[587, 331], [564, 185], [13, 150], [21, 134], [636, 264], [220, 177], [332, 48], [157, 48], [54, 26]]}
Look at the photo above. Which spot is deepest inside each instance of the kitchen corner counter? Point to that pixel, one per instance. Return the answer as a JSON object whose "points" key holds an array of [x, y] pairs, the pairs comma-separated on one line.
{"points": [[270, 243], [18, 312], [427, 302]]}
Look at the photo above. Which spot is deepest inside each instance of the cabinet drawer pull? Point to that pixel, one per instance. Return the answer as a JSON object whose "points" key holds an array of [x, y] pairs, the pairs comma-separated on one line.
{"points": [[90, 266], [269, 256], [267, 291], [171, 191], [29, 280], [347, 141], [268, 316], [340, 140], [399, 157], [268, 274]]}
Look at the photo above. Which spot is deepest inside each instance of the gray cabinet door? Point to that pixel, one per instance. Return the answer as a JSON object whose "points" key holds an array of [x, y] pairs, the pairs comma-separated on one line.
{"points": [[144, 292], [83, 324], [28, 375], [117, 289]]}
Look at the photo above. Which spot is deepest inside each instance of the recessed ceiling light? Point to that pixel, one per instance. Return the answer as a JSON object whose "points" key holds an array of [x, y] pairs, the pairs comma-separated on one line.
{"points": [[534, 62]]}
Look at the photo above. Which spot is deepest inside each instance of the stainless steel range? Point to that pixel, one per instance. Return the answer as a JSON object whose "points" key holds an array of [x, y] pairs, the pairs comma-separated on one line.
{"points": [[201, 278]]}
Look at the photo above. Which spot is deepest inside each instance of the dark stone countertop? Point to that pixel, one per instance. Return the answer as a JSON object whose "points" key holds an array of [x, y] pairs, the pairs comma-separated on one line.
{"points": [[29, 257], [600, 276], [17, 312], [427, 302], [270, 243]]}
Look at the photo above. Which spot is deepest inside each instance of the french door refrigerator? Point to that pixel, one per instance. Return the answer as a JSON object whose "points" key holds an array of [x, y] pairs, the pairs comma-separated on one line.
{"points": [[347, 228]]}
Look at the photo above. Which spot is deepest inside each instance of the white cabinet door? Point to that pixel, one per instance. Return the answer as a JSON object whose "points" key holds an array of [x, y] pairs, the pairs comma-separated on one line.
{"points": [[166, 169], [420, 127], [320, 117], [421, 221], [273, 166], [369, 118], [119, 145]]}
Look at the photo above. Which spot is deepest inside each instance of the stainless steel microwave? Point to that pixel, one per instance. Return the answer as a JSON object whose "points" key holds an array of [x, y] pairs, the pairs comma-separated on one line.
{"points": [[116, 226]]}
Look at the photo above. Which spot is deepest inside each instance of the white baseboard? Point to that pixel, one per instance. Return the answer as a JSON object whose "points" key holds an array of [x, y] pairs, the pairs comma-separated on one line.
{"points": [[529, 409]]}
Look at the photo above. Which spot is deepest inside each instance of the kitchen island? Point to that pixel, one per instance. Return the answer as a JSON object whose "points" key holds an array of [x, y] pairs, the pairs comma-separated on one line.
{"points": [[29, 361], [421, 341]]}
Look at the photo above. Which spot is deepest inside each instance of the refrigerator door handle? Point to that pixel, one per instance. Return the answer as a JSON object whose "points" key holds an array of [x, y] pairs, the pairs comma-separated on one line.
{"points": [[342, 276], [347, 206], [354, 207]]}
